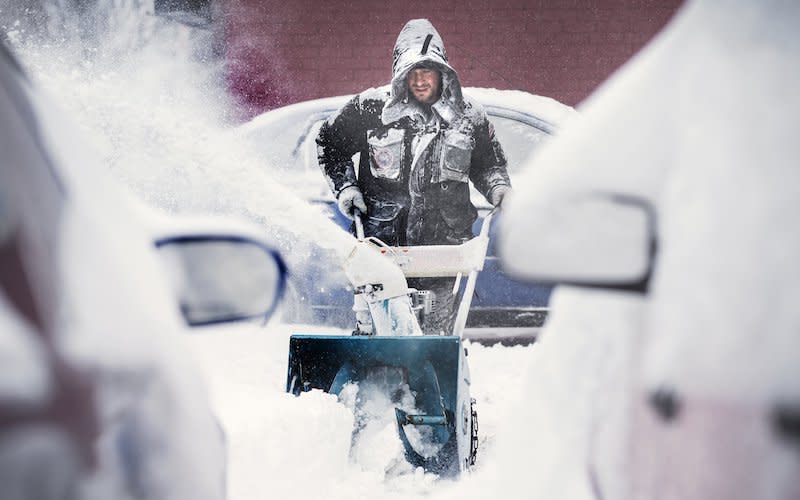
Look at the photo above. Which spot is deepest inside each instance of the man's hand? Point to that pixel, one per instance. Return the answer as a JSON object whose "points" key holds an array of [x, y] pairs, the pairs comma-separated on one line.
{"points": [[497, 194], [350, 198]]}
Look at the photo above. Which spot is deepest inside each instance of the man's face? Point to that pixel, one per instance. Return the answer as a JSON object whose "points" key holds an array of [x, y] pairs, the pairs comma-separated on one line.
{"points": [[424, 84]]}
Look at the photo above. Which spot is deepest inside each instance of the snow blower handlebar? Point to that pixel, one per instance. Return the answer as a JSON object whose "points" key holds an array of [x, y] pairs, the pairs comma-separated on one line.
{"points": [[380, 285], [359, 224], [369, 270], [469, 289]]}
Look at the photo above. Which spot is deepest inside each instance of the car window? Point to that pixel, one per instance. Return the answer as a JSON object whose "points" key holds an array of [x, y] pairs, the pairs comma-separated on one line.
{"points": [[288, 147], [519, 139], [277, 145], [306, 152]]}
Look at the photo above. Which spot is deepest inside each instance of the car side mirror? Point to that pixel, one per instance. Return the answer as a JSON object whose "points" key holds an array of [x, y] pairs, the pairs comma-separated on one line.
{"points": [[221, 279], [596, 240]]}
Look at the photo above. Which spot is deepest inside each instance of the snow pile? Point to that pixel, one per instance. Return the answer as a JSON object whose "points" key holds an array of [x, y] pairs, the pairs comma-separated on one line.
{"points": [[299, 447], [704, 138], [699, 129], [375, 444]]}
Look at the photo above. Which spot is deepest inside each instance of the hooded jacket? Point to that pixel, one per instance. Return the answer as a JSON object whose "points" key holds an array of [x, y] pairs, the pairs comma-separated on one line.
{"points": [[415, 161]]}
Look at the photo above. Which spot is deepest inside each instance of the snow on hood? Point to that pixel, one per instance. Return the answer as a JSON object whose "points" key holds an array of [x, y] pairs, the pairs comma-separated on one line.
{"points": [[420, 44]]}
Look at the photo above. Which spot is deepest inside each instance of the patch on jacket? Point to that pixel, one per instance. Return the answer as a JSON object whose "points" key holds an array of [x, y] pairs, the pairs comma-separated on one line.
{"points": [[385, 150], [384, 158]]}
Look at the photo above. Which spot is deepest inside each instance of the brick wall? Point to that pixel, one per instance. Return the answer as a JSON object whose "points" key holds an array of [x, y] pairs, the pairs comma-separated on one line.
{"points": [[284, 51]]}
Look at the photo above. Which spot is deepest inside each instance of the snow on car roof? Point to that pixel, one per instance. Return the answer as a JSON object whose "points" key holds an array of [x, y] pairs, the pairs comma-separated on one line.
{"points": [[542, 107]]}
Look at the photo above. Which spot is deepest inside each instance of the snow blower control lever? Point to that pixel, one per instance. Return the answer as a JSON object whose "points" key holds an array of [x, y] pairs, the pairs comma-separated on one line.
{"points": [[359, 224]]}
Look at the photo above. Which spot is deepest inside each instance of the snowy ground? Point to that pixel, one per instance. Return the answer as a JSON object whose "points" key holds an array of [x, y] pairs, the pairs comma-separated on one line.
{"points": [[541, 409], [300, 446]]}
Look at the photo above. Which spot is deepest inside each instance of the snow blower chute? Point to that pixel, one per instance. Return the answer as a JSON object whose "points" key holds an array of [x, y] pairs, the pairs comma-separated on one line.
{"points": [[438, 428]]}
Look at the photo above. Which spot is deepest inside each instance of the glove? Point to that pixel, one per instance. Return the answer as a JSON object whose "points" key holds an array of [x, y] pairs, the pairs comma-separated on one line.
{"points": [[350, 198], [497, 194]]}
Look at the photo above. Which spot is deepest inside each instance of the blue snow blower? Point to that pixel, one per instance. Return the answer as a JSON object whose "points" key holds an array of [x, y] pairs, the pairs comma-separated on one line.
{"points": [[435, 369], [439, 432]]}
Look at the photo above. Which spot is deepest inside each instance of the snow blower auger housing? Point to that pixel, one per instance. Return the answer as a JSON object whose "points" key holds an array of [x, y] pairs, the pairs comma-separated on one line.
{"points": [[431, 368]]}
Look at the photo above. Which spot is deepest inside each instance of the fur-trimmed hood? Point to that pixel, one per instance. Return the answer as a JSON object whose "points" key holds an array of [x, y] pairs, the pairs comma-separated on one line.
{"points": [[420, 44]]}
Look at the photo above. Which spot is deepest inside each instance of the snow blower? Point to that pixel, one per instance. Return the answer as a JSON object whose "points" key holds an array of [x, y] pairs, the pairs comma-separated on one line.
{"points": [[438, 426]]}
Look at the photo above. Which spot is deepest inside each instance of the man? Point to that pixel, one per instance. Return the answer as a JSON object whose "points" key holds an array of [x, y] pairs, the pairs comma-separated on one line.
{"points": [[420, 143]]}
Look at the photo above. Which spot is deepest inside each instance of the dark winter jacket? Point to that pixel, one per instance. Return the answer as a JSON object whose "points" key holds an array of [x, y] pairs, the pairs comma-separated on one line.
{"points": [[415, 163]]}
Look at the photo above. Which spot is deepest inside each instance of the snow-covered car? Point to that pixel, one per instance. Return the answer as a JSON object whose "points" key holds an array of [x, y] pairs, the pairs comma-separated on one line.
{"points": [[98, 395], [502, 307], [680, 182]]}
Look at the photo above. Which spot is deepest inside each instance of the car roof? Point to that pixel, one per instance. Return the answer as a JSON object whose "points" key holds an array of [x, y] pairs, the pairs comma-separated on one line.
{"points": [[538, 111]]}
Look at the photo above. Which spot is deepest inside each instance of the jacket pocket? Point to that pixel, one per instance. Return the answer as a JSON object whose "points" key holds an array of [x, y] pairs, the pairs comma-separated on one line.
{"points": [[384, 221], [386, 153], [456, 157], [458, 220]]}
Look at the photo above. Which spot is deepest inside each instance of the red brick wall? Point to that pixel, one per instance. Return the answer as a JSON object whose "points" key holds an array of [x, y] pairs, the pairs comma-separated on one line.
{"points": [[284, 51]]}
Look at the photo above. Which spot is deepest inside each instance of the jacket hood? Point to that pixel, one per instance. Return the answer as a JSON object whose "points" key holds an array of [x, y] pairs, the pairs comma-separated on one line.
{"points": [[419, 44]]}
